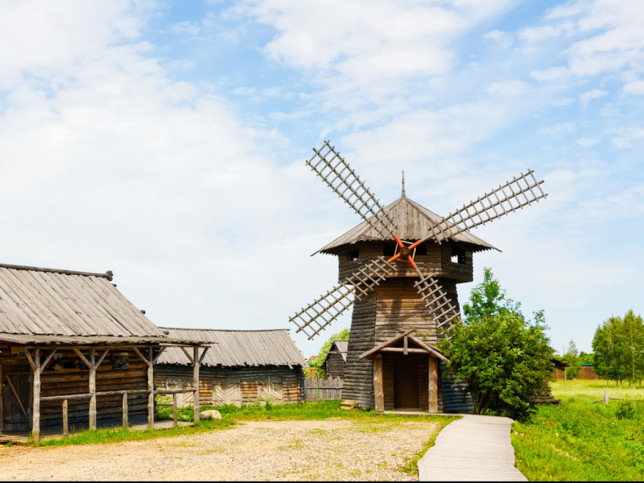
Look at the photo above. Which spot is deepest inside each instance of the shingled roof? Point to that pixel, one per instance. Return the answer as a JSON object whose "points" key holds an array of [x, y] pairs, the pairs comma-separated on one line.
{"points": [[414, 222], [233, 348], [52, 306]]}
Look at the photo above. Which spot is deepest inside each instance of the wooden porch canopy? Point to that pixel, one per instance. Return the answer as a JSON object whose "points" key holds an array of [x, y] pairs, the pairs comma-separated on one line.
{"points": [[44, 311], [405, 344]]}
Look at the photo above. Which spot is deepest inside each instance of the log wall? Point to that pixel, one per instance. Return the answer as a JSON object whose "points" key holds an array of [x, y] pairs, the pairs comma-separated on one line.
{"points": [[65, 374], [238, 386], [334, 364], [437, 262]]}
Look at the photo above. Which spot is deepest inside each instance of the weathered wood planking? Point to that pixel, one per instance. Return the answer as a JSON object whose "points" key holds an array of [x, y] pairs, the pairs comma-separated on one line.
{"points": [[238, 386]]}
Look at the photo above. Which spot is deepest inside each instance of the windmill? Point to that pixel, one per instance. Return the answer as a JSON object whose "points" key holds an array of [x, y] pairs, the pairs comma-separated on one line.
{"points": [[398, 269]]}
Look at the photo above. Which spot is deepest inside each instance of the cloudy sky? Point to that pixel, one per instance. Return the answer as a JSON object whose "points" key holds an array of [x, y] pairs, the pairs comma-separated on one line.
{"points": [[165, 140]]}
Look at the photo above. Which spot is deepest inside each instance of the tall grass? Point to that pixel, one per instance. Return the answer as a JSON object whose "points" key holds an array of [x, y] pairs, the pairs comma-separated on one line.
{"points": [[584, 440]]}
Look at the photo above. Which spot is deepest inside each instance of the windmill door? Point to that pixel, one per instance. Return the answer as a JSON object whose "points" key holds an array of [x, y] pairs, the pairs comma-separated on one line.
{"points": [[406, 394], [16, 398]]}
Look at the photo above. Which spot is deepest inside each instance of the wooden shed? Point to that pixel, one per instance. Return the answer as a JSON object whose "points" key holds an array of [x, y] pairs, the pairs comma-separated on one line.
{"points": [[241, 367], [336, 358], [74, 352]]}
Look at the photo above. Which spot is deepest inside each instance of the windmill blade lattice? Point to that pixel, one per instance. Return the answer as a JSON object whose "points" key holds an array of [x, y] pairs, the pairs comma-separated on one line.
{"points": [[325, 309], [437, 302], [336, 172], [521, 191]]}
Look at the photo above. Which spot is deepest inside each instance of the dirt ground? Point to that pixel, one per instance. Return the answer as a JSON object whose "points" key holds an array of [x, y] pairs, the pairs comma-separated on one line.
{"points": [[264, 450]]}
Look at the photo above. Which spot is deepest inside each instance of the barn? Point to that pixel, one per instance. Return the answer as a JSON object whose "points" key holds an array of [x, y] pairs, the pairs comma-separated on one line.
{"points": [[241, 367], [74, 352]]}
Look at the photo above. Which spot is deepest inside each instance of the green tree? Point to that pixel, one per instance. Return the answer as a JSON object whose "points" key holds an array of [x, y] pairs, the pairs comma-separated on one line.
{"points": [[504, 358], [318, 364], [571, 357], [619, 348]]}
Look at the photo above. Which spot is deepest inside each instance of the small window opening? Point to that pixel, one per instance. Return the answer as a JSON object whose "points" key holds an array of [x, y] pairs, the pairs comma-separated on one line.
{"points": [[458, 256], [421, 249], [389, 250], [353, 255]]}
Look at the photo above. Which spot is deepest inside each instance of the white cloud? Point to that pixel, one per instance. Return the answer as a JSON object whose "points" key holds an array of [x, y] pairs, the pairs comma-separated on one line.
{"points": [[634, 88], [586, 97], [626, 137], [508, 88]]}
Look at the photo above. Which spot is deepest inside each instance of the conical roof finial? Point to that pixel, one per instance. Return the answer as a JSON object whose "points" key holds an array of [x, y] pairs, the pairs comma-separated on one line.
{"points": [[403, 184]]}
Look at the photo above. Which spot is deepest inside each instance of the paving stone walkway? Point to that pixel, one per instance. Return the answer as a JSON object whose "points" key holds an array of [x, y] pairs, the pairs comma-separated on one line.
{"points": [[474, 448]]}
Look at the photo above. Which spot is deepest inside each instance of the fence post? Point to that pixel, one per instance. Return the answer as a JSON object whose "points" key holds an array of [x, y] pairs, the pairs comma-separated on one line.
{"points": [[125, 410], [174, 408], [65, 419], [606, 397]]}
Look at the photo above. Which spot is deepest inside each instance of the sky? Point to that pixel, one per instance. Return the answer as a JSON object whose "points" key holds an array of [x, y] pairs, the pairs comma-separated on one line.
{"points": [[166, 141]]}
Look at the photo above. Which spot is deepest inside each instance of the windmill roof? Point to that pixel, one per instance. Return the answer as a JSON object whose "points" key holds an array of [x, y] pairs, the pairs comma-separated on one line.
{"points": [[341, 346], [414, 222], [46, 305], [233, 348]]}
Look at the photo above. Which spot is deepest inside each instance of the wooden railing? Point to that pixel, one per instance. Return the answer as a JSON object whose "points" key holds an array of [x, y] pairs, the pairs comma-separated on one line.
{"points": [[124, 394]]}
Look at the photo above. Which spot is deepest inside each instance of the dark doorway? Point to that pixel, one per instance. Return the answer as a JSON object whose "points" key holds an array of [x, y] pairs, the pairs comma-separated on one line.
{"points": [[16, 398], [406, 382]]}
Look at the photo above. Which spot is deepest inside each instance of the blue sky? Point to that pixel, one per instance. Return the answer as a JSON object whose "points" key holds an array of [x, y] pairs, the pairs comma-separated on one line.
{"points": [[166, 141]]}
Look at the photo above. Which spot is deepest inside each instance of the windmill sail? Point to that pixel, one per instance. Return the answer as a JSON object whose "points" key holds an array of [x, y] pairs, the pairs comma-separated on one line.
{"points": [[338, 175], [437, 302], [521, 191], [325, 309]]}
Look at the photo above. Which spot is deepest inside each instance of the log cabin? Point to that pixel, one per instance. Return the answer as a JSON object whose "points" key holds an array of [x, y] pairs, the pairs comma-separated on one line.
{"points": [[74, 352], [241, 367], [336, 358]]}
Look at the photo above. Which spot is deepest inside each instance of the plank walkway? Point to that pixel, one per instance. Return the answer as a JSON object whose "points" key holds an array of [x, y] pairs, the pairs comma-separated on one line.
{"points": [[474, 448]]}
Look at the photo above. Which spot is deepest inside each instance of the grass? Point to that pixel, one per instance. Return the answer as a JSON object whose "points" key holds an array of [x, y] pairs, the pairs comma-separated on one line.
{"points": [[582, 440], [118, 434]]}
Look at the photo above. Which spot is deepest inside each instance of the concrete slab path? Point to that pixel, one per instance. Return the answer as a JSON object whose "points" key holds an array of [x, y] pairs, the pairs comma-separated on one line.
{"points": [[474, 448]]}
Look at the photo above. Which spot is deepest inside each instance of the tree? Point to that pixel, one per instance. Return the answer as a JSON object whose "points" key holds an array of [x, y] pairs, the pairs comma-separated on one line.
{"points": [[504, 358], [321, 358], [571, 357], [619, 348]]}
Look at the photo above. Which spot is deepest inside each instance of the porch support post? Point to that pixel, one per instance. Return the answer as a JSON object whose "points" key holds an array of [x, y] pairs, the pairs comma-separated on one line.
{"points": [[1, 406], [197, 362], [433, 385], [92, 388], [378, 391], [35, 366], [150, 388], [149, 361]]}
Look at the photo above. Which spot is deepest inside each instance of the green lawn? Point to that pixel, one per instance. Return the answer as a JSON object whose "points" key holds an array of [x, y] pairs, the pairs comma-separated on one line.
{"points": [[582, 440]]}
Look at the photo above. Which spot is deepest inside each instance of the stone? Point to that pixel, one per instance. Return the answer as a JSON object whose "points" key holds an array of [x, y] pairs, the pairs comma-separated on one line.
{"points": [[210, 414]]}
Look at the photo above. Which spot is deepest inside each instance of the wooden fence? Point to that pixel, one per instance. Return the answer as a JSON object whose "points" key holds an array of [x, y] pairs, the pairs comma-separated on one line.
{"points": [[328, 389]]}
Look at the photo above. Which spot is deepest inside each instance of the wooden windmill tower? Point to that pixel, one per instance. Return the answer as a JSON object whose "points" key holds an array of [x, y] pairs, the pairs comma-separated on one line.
{"points": [[399, 269]]}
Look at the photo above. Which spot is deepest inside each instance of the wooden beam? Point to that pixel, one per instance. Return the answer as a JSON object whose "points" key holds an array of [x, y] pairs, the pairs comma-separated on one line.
{"points": [[203, 354], [192, 361], [405, 345], [1, 399], [150, 389], [65, 419], [35, 428], [196, 363], [433, 385], [81, 356], [15, 393], [156, 358], [47, 359], [378, 389], [125, 410], [92, 388], [141, 356], [412, 350]]}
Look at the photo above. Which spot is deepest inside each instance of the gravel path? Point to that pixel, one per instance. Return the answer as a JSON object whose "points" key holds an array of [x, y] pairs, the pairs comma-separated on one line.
{"points": [[257, 450]]}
